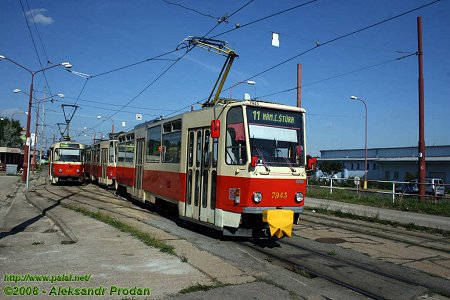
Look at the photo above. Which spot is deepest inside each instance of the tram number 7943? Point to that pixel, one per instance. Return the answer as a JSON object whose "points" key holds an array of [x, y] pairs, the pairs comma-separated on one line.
{"points": [[279, 195]]}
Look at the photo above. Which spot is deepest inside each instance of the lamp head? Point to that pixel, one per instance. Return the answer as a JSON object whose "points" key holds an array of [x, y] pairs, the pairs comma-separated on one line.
{"points": [[251, 82], [17, 91], [99, 117], [61, 95], [353, 97], [2, 57]]}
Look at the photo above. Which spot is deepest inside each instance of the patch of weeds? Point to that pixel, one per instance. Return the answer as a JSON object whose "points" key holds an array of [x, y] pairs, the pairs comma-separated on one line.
{"points": [[144, 237], [412, 226], [37, 243], [201, 287], [302, 272], [332, 252], [269, 281], [183, 258], [294, 296]]}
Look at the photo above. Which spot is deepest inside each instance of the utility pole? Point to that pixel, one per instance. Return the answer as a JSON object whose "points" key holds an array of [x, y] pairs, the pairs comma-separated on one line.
{"points": [[299, 85], [422, 164]]}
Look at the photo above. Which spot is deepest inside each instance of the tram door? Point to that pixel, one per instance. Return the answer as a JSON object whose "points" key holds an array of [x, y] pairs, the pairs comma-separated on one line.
{"points": [[201, 175], [139, 168], [104, 164]]}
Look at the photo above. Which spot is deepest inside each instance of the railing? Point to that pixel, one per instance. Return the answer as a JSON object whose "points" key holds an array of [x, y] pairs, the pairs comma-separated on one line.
{"points": [[393, 189]]}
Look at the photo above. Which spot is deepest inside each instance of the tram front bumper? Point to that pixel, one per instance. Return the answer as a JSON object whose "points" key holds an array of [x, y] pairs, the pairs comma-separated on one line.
{"points": [[280, 221]]}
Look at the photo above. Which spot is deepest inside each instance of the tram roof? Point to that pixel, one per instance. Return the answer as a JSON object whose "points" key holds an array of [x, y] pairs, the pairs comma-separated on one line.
{"points": [[224, 102]]}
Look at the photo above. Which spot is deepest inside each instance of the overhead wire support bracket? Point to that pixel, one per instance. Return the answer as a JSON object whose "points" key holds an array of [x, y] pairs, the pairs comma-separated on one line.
{"points": [[60, 129], [68, 118], [216, 47]]}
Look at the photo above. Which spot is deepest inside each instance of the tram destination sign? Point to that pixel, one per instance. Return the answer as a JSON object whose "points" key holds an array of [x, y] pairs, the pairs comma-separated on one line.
{"points": [[69, 145], [273, 117]]}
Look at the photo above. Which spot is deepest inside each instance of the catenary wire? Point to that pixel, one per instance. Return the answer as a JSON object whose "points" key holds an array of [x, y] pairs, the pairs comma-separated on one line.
{"points": [[34, 43], [322, 44], [191, 9], [170, 66], [264, 18], [337, 76]]}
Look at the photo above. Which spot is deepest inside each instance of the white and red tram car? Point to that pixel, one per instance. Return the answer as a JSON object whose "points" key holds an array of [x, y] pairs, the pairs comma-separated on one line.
{"points": [[66, 162], [238, 167], [101, 162]]}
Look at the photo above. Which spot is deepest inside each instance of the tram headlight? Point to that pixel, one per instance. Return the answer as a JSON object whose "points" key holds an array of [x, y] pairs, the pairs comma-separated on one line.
{"points": [[298, 197], [257, 197], [60, 170]]}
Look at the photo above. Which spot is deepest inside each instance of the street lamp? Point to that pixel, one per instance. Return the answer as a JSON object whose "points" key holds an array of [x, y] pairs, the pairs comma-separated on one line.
{"points": [[249, 82], [25, 174], [39, 101], [86, 128], [112, 129], [365, 145]]}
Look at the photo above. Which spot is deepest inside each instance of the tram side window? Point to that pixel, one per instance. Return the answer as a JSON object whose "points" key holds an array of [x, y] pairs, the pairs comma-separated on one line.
{"points": [[129, 148], [171, 147], [112, 153], [121, 152], [171, 142], [153, 144], [235, 152], [89, 155]]}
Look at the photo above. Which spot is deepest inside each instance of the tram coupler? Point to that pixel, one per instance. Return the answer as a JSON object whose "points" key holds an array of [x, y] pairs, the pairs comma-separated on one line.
{"points": [[279, 221]]}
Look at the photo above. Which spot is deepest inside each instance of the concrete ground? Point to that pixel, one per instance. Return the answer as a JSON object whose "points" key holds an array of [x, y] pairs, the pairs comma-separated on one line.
{"points": [[31, 243], [74, 244], [71, 243]]}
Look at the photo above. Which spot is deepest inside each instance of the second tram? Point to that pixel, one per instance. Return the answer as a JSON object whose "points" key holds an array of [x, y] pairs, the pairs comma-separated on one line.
{"points": [[66, 162], [101, 162]]}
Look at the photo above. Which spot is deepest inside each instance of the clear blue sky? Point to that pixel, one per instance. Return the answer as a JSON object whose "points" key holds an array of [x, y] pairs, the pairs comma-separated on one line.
{"points": [[98, 36]]}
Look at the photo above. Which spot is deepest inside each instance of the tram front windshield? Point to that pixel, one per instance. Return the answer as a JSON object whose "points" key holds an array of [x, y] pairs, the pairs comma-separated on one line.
{"points": [[276, 137], [68, 155]]}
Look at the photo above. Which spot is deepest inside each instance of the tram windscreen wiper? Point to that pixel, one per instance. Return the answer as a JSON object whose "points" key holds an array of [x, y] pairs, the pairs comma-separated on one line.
{"points": [[260, 154]]}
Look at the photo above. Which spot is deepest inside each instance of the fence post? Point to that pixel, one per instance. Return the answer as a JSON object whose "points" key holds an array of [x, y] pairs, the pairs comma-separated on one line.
{"points": [[393, 191], [331, 186]]}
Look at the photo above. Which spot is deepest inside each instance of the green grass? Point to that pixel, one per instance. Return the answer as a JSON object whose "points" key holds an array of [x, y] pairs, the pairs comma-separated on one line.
{"points": [[146, 238], [413, 204]]}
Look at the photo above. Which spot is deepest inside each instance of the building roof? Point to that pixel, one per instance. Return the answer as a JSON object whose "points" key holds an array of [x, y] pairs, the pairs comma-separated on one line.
{"points": [[387, 159], [436, 153]]}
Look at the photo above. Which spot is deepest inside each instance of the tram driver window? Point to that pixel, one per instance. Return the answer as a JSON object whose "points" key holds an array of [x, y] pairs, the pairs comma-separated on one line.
{"points": [[235, 152]]}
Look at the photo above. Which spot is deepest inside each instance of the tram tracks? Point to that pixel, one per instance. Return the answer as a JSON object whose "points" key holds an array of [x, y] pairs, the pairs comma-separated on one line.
{"points": [[411, 238], [368, 277], [369, 280], [72, 197]]}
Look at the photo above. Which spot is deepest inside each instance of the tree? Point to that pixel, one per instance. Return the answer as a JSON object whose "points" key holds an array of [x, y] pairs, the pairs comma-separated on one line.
{"points": [[10, 133], [329, 168]]}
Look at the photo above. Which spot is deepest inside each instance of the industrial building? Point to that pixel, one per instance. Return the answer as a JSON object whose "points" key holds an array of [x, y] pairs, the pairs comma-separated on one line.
{"points": [[395, 164]]}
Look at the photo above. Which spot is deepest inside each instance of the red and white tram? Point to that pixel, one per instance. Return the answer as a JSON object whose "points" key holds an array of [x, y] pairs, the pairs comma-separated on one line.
{"points": [[101, 162], [238, 167], [66, 162]]}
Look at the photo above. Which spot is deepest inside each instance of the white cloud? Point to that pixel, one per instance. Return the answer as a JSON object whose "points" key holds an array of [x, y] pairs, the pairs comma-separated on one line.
{"points": [[38, 14]]}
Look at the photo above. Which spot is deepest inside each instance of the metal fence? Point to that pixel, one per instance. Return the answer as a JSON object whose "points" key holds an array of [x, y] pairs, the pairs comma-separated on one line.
{"points": [[392, 189]]}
